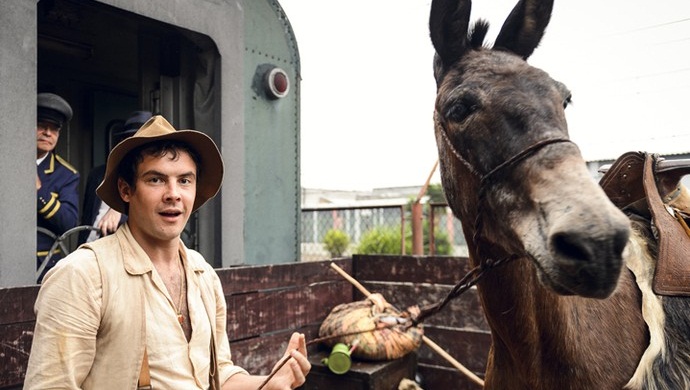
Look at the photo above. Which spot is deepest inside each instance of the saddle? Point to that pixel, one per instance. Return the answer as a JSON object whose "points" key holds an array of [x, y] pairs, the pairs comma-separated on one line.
{"points": [[647, 186]]}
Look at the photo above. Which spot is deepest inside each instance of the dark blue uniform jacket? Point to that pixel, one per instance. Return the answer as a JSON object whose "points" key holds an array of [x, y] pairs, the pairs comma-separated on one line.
{"points": [[57, 203]]}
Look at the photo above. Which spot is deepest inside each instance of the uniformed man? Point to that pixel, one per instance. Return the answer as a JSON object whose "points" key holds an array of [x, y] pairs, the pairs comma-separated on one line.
{"points": [[56, 180]]}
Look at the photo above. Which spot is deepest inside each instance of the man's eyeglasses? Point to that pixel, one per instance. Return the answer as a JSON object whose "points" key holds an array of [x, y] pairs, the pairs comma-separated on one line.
{"points": [[47, 126]]}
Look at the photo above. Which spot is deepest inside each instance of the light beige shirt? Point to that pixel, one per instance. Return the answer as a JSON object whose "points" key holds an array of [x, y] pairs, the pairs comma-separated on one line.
{"points": [[174, 363], [92, 314]]}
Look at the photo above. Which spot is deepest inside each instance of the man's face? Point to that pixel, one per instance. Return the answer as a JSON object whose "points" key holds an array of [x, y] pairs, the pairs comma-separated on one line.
{"points": [[47, 134], [162, 199]]}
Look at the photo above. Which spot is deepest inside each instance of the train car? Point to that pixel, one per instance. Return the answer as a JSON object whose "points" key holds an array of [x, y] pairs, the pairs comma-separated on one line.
{"points": [[228, 68]]}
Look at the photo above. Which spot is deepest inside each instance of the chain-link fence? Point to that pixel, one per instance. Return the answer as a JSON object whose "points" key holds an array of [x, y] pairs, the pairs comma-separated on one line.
{"points": [[354, 222], [342, 231], [442, 222]]}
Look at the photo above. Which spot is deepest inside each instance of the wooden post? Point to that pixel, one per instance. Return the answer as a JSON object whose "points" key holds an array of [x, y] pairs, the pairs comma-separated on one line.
{"points": [[418, 217], [417, 229], [432, 230], [402, 230]]}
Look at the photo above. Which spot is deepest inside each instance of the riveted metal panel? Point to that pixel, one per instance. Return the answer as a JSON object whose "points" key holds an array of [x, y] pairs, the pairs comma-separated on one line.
{"points": [[271, 137]]}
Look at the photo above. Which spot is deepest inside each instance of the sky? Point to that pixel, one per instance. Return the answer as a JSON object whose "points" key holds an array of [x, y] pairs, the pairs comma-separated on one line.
{"points": [[367, 88]]}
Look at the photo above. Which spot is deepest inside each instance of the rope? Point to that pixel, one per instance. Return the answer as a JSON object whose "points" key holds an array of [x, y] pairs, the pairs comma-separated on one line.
{"points": [[469, 280]]}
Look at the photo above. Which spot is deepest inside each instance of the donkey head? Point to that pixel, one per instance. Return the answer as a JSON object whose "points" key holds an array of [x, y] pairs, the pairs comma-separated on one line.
{"points": [[506, 161]]}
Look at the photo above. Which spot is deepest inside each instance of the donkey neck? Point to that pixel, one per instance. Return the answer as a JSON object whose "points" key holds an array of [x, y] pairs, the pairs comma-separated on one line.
{"points": [[545, 340]]}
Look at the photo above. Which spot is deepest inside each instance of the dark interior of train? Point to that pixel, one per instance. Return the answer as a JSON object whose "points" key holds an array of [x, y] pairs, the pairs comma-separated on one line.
{"points": [[107, 62]]}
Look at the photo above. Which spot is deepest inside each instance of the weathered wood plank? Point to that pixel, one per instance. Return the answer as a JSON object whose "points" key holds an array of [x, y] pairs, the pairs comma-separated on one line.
{"points": [[17, 304], [258, 278], [470, 348], [414, 269], [436, 377], [363, 375], [258, 355], [255, 313], [15, 345]]}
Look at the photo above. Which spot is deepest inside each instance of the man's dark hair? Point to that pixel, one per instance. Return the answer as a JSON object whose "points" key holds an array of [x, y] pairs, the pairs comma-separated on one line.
{"points": [[127, 169]]}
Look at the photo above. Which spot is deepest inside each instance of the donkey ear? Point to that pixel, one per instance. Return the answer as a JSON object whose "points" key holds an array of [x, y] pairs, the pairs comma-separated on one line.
{"points": [[524, 27], [448, 24]]}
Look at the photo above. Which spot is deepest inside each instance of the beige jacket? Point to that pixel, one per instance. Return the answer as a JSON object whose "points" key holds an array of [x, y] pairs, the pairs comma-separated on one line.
{"points": [[90, 320]]}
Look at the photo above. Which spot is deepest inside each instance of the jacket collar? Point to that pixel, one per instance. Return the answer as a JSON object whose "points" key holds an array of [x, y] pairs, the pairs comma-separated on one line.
{"points": [[137, 262], [49, 160]]}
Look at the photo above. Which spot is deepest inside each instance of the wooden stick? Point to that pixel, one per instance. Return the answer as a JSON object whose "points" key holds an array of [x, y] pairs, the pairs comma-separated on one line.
{"points": [[422, 191], [431, 344]]}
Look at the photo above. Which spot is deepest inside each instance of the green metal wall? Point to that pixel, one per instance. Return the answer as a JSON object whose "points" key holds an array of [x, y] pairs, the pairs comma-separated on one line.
{"points": [[272, 164]]}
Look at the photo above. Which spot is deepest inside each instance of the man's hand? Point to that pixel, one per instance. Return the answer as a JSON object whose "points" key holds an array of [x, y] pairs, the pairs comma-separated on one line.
{"points": [[294, 367], [293, 374], [109, 223], [38, 182]]}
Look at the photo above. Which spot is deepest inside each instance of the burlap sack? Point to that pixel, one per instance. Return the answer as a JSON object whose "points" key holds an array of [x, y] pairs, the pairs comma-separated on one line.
{"points": [[384, 333]]}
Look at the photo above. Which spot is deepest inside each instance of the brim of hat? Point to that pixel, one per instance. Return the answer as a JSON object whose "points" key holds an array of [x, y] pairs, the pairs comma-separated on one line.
{"points": [[211, 166], [56, 119]]}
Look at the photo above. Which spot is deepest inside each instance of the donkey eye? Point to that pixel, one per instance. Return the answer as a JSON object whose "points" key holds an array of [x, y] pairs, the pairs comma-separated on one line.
{"points": [[567, 101], [460, 111]]}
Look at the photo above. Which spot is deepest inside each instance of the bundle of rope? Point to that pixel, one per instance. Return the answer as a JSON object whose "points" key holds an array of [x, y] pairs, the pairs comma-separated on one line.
{"points": [[379, 331]]}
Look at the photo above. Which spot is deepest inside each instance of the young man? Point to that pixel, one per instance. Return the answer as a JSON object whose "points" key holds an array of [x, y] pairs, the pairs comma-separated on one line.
{"points": [[138, 304], [57, 197]]}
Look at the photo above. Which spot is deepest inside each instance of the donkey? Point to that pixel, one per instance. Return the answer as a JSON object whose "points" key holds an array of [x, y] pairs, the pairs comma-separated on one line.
{"points": [[564, 311]]}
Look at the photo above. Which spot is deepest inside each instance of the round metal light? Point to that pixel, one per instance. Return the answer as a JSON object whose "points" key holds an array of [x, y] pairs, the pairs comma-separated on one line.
{"points": [[277, 83]]}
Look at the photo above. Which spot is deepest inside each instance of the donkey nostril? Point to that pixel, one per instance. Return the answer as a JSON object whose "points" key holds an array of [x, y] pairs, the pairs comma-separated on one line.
{"points": [[620, 240], [570, 246]]}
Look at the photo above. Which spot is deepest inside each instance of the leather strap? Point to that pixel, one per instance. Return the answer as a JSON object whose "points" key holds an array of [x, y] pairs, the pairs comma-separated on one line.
{"points": [[672, 274], [213, 378], [144, 375]]}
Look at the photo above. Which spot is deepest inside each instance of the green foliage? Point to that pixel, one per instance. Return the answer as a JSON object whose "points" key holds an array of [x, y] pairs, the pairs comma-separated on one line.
{"points": [[442, 245], [436, 194], [385, 240], [336, 242], [380, 240]]}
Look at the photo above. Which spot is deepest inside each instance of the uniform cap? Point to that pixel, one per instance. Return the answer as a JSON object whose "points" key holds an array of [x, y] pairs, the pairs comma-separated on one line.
{"points": [[53, 108]]}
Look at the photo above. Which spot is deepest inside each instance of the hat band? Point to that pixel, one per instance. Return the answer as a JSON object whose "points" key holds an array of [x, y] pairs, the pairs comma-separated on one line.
{"points": [[50, 115]]}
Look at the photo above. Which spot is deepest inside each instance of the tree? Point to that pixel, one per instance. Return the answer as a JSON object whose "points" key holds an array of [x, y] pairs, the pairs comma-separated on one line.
{"points": [[436, 194], [336, 242], [382, 240]]}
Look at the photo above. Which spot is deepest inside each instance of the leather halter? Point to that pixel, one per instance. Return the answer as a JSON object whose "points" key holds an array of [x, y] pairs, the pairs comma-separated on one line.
{"points": [[517, 158], [485, 263]]}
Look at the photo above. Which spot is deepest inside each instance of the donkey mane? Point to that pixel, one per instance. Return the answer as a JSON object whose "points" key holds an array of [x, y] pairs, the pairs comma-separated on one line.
{"points": [[666, 361], [477, 34]]}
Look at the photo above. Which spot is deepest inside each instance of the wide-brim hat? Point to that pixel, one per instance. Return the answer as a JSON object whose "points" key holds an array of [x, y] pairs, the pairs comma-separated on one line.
{"points": [[158, 129]]}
